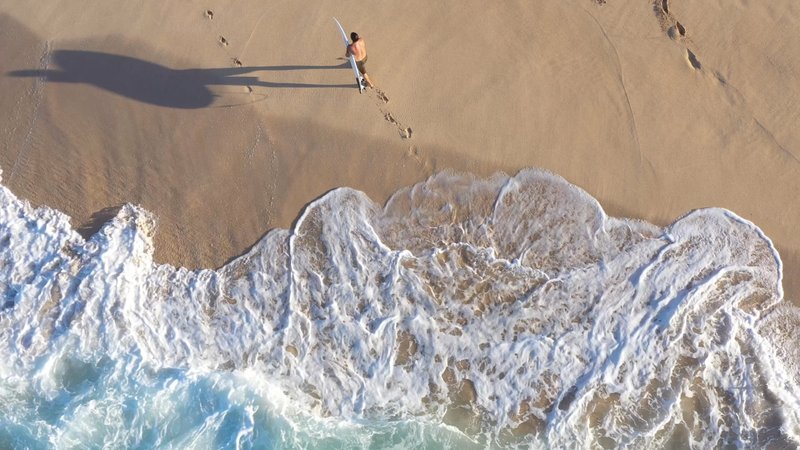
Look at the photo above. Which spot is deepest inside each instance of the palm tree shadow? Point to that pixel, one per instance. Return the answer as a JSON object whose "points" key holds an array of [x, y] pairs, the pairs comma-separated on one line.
{"points": [[155, 84]]}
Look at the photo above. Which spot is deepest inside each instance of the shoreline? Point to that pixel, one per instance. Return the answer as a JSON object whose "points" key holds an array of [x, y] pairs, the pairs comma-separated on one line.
{"points": [[168, 248], [231, 135]]}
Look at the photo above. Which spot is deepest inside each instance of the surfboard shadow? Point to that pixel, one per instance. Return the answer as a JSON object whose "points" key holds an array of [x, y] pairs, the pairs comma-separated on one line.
{"points": [[155, 84]]}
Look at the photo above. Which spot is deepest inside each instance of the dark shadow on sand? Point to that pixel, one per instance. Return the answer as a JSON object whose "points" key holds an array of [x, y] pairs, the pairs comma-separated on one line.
{"points": [[155, 84], [96, 222]]}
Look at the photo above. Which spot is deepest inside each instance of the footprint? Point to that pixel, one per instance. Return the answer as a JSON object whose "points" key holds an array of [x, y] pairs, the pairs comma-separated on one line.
{"points": [[693, 60], [681, 29], [665, 19], [414, 153], [382, 96], [223, 41], [676, 31], [404, 131], [210, 14]]}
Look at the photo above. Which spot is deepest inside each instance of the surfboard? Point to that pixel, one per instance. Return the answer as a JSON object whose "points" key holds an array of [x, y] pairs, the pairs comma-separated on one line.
{"points": [[359, 78]]}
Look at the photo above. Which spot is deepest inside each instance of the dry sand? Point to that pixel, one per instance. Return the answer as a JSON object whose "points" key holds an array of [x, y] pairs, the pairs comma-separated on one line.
{"points": [[226, 124]]}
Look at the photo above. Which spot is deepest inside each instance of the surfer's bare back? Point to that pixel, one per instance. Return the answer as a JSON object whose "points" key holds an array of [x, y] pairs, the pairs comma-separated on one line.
{"points": [[358, 49]]}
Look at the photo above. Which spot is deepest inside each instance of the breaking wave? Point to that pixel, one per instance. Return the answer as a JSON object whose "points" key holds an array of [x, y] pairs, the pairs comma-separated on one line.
{"points": [[465, 312]]}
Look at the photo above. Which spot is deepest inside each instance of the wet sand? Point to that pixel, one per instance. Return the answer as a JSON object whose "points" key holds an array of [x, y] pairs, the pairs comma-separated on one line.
{"points": [[226, 119]]}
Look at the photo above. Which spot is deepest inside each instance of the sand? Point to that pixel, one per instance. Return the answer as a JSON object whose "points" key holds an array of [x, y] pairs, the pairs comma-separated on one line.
{"points": [[226, 118]]}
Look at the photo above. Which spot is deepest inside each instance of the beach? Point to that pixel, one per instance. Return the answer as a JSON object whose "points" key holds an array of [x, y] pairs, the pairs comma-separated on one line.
{"points": [[603, 95], [226, 121]]}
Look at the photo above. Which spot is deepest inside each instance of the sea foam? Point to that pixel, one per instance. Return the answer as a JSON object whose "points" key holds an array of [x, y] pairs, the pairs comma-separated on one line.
{"points": [[465, 312]]}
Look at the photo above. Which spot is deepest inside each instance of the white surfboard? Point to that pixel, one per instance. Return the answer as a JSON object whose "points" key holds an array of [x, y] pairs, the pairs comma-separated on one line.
{"points": [[359, 78]]}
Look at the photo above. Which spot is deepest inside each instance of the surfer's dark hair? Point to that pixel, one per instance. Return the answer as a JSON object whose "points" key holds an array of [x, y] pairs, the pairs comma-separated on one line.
{"points": [[354, 36]]}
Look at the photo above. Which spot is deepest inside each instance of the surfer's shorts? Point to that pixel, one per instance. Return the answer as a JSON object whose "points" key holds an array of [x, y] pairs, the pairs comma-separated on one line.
{"points": [[360, 65]]}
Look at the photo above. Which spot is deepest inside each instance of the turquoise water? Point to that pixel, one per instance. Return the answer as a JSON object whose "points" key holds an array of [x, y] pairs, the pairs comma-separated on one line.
{"points": [[104, 405]]}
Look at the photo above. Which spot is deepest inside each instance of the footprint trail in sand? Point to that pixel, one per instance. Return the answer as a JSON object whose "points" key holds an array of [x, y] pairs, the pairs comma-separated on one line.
{"points": [[402, 129], [379, 96]]}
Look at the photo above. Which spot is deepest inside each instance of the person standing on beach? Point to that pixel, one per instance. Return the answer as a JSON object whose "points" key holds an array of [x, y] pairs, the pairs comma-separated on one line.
{"points": [[358, 49]]}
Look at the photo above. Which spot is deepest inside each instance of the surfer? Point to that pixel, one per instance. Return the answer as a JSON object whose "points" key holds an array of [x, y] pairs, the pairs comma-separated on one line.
{"points": [[358, 49]]}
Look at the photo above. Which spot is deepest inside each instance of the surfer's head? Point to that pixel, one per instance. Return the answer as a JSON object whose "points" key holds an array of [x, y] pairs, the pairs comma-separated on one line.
{"points": [[354, 36]]}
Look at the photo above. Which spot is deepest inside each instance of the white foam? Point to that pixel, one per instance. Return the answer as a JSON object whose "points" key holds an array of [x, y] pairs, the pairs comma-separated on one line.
{"points": [[512, 308]]}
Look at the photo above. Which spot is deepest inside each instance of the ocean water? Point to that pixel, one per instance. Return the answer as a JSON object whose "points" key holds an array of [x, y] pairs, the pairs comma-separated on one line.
{"points": [[465, 313]]}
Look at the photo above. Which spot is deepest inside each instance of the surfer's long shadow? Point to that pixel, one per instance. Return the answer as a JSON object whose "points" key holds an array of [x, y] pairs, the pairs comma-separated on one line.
{"points": [[153, 83]]}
